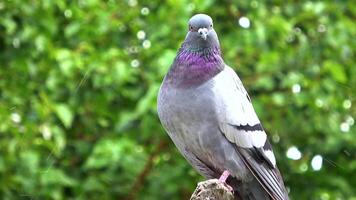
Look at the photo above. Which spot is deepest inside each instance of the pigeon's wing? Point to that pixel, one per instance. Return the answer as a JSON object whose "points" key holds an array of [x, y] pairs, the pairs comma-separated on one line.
{"points": [[241, 126]]}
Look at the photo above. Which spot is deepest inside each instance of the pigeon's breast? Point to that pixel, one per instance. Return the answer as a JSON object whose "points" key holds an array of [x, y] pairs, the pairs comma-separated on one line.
{"points": [[192, 117], [188, 114]]}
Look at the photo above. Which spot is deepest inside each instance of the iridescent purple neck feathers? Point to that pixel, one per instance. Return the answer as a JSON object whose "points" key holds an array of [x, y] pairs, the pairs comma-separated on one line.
{"points": [[194, 66]]}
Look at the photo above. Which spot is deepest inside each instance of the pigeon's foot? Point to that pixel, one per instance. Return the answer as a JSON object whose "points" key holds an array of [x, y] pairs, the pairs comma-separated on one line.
{"points": [[224, 176], [223, 179]]}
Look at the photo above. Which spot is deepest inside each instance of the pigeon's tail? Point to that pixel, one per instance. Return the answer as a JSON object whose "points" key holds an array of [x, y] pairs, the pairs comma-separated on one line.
{"points": [[248, 190]]}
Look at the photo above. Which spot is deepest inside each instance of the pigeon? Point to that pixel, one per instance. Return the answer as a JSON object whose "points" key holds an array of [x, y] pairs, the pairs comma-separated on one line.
{"points": [[205, 109]]}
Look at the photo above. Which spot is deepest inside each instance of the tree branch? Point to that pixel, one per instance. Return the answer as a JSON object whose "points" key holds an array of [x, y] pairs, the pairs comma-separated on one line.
{"points": [[212, 189], [146, 170]]}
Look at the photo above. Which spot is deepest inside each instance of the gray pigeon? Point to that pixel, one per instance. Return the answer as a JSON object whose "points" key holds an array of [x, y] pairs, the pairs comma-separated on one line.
{"points": [[208, 114]]}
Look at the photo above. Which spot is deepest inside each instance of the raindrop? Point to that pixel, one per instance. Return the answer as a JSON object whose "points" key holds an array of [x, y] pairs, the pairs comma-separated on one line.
{"points": [[346, 104], [296, 88], [145, 11], [317, 162], [146, 44], [344, 127], [135, 63], [294, 153], [15, 117], [141, 34], [244, 22]]}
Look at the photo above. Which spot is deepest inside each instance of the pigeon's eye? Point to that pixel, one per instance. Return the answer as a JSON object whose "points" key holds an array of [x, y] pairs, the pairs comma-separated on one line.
{"points": [[211, 25], [190, 28]]}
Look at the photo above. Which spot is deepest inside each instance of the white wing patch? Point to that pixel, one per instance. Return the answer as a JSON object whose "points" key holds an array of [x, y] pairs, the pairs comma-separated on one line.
{"points": [[270, 156], [246, 139], [258, 138]]}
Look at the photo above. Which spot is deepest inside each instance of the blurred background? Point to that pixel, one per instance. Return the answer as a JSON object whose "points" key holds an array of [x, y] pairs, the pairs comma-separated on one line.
{"points": [[79, 80]]}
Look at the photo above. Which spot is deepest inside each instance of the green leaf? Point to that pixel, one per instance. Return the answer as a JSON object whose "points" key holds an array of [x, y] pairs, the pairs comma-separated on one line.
{"points": [[65, 114], [336, 70], [52, 176]]}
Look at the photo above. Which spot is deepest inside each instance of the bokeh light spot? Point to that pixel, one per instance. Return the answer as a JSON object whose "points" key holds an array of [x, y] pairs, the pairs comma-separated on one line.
{"points": [[244, 22], [317, 162], [294, 153]]}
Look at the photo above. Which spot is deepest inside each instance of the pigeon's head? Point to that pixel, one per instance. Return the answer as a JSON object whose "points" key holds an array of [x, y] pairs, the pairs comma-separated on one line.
{"points": [[201, 32]]}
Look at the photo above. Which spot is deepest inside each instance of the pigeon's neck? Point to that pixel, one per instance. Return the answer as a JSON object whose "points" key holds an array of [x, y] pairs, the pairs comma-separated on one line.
{"points": [[194, 66]]}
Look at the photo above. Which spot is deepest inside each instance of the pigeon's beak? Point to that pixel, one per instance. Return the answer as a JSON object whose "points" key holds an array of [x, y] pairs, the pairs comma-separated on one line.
{"points": [[203, 32]]}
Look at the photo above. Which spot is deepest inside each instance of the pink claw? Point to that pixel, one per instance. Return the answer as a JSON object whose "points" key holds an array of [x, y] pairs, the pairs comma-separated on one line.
{"points": [[223, 179]]}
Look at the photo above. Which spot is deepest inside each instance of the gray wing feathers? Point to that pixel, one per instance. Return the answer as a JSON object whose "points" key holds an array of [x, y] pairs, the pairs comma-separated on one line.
{"points": [[242, 127], [269, 178], [239, 121]]}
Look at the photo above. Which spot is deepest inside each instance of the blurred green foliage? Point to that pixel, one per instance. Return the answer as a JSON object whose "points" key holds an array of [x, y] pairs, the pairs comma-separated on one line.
{"points": [[79, 79]]}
